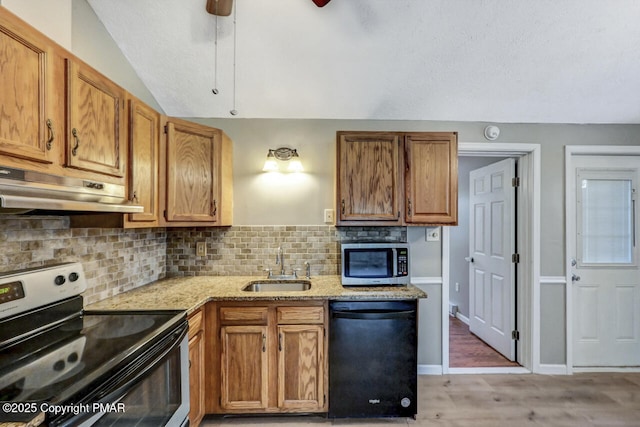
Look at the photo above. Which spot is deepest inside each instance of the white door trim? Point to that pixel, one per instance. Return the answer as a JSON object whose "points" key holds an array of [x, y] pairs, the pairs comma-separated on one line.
{"points": [[529, 239], [570, 151]]}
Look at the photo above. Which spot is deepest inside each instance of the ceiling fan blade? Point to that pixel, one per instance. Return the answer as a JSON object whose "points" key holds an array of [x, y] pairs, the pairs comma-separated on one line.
{"points": [[321, 3], [220, 7]]}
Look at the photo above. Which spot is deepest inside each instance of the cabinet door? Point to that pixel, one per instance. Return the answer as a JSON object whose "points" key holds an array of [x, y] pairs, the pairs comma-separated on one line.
{"points": [[301, 367], [144, 139], [26, 130], [431, 178], [192, 182], [244, 367], [96, 110], [368, 177], [196, 378]]}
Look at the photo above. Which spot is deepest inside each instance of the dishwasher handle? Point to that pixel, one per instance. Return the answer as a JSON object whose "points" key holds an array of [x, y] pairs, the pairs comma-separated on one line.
{"points": [[373, 314]]}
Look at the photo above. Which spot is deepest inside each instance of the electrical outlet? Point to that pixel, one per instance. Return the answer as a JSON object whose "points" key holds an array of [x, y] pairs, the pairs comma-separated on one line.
{"points": [[433, 234], [201, 249], [329, 216]]}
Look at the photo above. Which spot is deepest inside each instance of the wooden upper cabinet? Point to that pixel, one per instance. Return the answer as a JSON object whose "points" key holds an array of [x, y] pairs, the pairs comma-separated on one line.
{"points": [[431, 178], [197, 173], [396, 178], [368, 177], [144, 146], [95, 111], [26, 88]]}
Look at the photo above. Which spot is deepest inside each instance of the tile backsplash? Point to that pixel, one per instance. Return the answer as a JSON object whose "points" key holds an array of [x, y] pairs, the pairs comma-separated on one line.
{"points": [[117, 260]]}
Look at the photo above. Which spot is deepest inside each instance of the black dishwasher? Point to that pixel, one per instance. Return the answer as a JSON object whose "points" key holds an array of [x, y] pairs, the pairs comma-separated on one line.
{"points": [[373, 359]]}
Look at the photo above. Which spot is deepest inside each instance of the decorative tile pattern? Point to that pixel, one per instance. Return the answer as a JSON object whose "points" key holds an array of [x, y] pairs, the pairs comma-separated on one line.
{"points": [[114, 260], [118, 260], [249, 250]]}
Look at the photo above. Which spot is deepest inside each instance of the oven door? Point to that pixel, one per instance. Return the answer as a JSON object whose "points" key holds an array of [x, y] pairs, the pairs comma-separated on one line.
{"points": [[153, 390]]}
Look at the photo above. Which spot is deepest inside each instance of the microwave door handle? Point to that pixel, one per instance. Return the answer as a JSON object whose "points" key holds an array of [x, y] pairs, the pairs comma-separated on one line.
{"points": [[395, 262]]}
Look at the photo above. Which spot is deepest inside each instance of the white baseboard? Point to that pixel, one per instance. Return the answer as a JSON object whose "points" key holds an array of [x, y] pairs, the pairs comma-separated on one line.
{"points": [[549, 369], [633, 369], [429, 369], [497, 370], [464, 319]]}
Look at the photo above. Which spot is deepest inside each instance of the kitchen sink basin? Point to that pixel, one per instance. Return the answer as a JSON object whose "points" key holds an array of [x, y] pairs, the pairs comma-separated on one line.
{"points": [[277, 286]]}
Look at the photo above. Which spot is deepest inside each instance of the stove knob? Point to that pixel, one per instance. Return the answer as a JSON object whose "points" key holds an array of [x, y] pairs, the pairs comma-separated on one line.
{"points": [[59, 280], [73, 276], [405, 402], [59, 365]]}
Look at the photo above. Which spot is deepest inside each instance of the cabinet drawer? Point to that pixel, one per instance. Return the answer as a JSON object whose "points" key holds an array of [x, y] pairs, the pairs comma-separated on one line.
{"points": [[253, 315], [196, 323], [294, 315]]}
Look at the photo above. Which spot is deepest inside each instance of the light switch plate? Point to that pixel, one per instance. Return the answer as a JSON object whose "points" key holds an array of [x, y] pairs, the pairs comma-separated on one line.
{"points": [[329, 216], [201, 248], [433, 234]]}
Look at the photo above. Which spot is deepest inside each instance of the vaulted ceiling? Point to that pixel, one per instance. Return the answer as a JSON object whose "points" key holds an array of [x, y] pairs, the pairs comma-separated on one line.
{"points": [[523, 61]]}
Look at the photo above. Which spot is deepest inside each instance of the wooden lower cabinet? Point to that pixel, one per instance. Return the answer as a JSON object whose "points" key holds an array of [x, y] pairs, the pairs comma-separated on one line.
{"points": [[271, 358], [197, 373]]}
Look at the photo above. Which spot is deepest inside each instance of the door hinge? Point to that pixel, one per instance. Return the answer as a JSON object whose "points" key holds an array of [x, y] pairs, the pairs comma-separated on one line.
{"points": [[515, 335], [515, 258], [166, 128], [515, 182]]}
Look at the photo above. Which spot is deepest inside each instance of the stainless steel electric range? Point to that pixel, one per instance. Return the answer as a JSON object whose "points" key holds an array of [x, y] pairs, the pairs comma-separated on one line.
{"points": [[87, 368]]}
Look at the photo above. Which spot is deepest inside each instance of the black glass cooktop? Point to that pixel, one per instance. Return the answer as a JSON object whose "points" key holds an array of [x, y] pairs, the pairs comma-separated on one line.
{"points": [[55, 363]]}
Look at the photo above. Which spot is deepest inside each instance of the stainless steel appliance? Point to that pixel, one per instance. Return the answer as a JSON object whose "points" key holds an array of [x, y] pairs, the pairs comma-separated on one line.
{"points": [[87, 368], [373, 359], [375, 264], [24, 191]]}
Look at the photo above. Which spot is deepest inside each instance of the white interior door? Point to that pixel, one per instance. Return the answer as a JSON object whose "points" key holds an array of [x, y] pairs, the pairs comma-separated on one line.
{"points": [[604, 267], [491, 246]]}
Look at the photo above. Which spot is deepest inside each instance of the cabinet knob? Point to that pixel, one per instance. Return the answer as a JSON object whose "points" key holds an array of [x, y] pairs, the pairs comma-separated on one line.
{"points": [[409, 211], [74, 150], [51, 134], [264, 343], [342, 207], [214, 208]]}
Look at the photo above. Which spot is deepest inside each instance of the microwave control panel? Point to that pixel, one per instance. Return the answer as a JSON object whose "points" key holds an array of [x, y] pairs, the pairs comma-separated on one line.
{"points": [[403, 262]]}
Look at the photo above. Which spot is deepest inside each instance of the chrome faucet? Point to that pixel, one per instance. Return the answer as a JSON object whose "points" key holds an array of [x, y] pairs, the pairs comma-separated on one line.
{"points": [[280, 260]]}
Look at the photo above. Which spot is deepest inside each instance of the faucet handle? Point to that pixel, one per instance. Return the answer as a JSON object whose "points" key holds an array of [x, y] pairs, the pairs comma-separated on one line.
{"points": [[307, 268], [269, 273]]}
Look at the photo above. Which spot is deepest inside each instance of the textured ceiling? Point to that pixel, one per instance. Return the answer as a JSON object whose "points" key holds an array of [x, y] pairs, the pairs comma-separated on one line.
{"points": [[543, 61]]}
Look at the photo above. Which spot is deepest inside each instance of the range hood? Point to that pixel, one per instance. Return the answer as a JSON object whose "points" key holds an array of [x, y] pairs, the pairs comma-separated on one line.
{"points": [[24, 191]]}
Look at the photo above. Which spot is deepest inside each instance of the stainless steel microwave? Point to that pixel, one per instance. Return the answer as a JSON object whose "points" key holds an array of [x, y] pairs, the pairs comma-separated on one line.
{"points": [[375, 264]]}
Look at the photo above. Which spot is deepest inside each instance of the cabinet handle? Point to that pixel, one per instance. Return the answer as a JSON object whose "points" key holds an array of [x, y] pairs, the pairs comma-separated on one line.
{"points": [[74, 150], [51, 134], [342, 208], [134, 197], [214, 208], [409, 207], [264, 343], [280, 342]]}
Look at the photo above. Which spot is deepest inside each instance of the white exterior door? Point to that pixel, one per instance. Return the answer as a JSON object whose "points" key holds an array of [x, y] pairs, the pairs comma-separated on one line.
{"points": [[491, 246], [605, 281]]}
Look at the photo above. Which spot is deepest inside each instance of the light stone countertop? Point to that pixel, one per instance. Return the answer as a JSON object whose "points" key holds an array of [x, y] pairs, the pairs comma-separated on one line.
{"points": [[190, 293]]}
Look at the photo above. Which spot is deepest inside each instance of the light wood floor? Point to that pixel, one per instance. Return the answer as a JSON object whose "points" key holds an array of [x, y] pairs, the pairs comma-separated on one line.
{"points": [[580, 400]]}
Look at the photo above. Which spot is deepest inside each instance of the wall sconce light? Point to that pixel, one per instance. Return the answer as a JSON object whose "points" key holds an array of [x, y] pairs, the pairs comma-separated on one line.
{"points": [[283, 154]]}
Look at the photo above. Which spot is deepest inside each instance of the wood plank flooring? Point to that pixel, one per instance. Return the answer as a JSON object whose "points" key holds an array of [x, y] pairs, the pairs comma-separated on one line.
{"points": [[496, 400], [468, 351]]}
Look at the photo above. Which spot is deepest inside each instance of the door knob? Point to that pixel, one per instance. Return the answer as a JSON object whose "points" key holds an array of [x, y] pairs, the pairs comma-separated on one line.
{"points": [[575, 278], [468, 259]]}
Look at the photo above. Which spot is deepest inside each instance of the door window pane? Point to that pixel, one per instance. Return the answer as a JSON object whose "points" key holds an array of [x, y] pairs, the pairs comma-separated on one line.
{"points": [[606, 229]]}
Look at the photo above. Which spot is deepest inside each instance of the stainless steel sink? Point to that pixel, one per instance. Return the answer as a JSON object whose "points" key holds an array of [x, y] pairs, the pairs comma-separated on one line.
{"points": [[277, 286]]}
